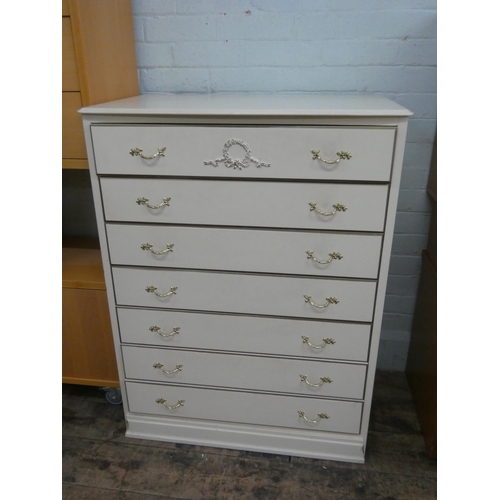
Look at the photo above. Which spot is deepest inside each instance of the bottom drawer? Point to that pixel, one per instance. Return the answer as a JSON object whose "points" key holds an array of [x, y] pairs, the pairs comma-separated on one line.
{"points": [[245, 407]]}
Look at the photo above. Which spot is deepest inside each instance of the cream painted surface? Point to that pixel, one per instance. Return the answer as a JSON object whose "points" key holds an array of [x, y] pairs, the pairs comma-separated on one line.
{"points": [[242, 293], [245, 407], [238, 267], [236, 203], [252, 334], [281, 252], [287, 151], [228, 107], [245, 372]]}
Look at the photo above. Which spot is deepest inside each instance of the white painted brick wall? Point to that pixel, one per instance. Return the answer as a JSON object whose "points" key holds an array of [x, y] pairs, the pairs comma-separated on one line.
{"points": [[346, 46]]}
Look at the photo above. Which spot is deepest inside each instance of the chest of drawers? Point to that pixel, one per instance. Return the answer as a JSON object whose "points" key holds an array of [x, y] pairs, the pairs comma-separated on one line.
{"points": [[246, 243]]}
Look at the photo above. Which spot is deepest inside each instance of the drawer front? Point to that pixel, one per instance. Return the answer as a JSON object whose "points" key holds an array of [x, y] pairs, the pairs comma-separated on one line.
{"points": [[308, 339], [321, 378], [236, 293], [283, 252], [245, 407], [258, 204], [279, 152]]}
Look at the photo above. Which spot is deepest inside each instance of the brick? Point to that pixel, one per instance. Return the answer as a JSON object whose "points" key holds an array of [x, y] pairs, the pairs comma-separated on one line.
{"points": [[399, 304], [421, 130], [209, 54], [359, 52], [413, 200], [422, 105], [409, 244], [174, 80], [412, 223], [367, 24], [257, 26], [397, 322], [153, 7], [392, 355], [414, 178], [405, 265], [283, 53], [403, 285], [157, 55], [418, 52], [350, 5], [178, 28], [418, 154]]}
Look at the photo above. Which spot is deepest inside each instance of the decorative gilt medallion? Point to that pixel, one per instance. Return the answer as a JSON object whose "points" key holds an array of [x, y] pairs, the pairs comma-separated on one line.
{"points": [[236, 163]]}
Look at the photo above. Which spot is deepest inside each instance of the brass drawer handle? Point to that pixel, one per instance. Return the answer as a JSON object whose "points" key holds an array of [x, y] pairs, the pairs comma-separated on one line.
{"points": [[341, 155], [329, 300], [153, 289], [338, 207], [148, 246], [324, 380], [157, 329], [159, 366], [145, 201], [163, 402], [305, 340], [320, 416], [334, 255], [138, 152]]}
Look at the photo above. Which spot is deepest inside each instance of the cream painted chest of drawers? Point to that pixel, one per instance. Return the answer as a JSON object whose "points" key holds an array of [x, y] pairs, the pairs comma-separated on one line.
{"points": [[246, 243]]}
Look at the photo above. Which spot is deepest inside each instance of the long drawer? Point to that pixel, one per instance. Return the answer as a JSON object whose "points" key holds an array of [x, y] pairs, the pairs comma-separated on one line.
{"points": [[260, 373], [229, 333], [279, 152], [240, 293], [283, 252], [245, 407], [352, 207]]}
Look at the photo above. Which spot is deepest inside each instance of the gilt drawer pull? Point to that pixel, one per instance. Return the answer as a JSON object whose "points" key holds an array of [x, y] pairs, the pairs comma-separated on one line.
{"points": [[138, 152], [324, 380], [153, 289], [157, 329], [305, 340], [145, 201], [329, 300], [159, 366], [338, 207], [163, 402], [320, 416], [334, 255], [342, 155], [148, 246]]}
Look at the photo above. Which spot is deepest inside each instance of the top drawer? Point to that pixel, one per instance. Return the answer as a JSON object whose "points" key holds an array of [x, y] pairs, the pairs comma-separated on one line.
{"points": [[245, 152]]}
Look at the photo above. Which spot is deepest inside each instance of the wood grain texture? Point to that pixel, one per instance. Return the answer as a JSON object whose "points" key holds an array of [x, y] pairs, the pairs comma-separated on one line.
{"points": [[70, 81], [87, 344], [103, 34], [73, 142], [82, 264]]}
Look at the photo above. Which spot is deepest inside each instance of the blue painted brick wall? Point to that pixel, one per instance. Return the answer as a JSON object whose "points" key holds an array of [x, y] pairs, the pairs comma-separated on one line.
{"points": [[347, 46]]}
